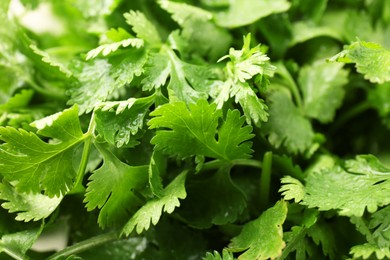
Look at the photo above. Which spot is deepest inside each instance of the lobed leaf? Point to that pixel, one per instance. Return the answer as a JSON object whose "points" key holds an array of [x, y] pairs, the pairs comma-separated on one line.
{"points": [[371, 60], [262, 238], [153, 209], [197, 127], [36, 165], [112, 189], [27, 206]]}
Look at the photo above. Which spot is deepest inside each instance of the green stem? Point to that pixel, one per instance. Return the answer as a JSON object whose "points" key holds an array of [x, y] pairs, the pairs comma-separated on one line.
{"points": [[15, 255], [265, 180], [349, 114], [291, 84], [216, 164], [85, 245], [291, 246], [84, 157]]}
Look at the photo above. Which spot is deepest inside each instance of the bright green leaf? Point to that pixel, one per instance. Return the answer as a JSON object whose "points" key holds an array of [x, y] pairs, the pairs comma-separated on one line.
{"points": [[349, 192], [226, 255], [120, 121], [292, 189], [371, 60], [142, 27], [27, 206], [286, 126], [322, 88], [197, 128], [244, 12], [262, 238], [109, 48], [36, 165], [112, 189], [152, 210], [366, 250]]}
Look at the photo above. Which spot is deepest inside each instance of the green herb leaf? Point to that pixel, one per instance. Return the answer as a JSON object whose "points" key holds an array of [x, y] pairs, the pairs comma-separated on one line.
{"points": [[262, 238], [113, 189], [240, 13], [197, 128], [322, 88], [152, 210], [36, 165], [28, 206], [119, 122], [371, 59], [286, 125]]}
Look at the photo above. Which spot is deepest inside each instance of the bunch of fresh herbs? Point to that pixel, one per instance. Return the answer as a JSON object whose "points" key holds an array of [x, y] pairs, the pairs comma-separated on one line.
{"points": [[195, 129]]}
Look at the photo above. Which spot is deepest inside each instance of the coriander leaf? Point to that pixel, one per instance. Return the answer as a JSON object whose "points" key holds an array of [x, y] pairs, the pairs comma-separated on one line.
{"points": [[254, 108], [187, 82], [183, 84], [35, 165], [19, 100], [100, 80], [215, 200], [43, 62], [120, 121], [286, 125], [322, 87], [366, 164], [380, 224], [226, 255], [366, 250], [262, 238], [196, 128], [27, 206], [292, 189], [157, 70], [304, 31], [17, 244], [153, 209], [244, 64], [112, 189], [108, 48], [371, 60], [349, 192], [247, 62], [143, 27], [244, 12], [182, 12], [94, 86], [199, 34]]}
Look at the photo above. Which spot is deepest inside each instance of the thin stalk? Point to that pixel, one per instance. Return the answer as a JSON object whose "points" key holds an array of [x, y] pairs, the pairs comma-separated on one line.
{"points": [[349, 114], [265, 179], [216, 164], [15, 255], [85, 245], [84, 157]]}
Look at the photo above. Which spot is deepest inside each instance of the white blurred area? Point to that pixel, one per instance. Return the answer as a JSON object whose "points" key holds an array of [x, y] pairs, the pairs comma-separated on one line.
{"points": [[40, 20]]}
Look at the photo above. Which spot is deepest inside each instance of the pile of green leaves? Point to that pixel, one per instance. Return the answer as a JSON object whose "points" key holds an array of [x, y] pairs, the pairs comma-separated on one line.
{"points": [[196, 129]]}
